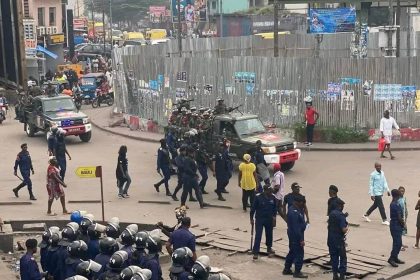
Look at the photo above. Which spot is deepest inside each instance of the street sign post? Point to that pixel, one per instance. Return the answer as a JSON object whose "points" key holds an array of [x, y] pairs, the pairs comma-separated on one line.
{"points": [[93, 172]]}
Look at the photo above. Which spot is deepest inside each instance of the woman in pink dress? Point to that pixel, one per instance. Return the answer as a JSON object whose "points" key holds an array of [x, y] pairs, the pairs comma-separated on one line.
{"points": [[55, 186]]}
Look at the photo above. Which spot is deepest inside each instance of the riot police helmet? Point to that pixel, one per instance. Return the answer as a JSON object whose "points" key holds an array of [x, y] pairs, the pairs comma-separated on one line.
{"points": [[128, 272], [108, 246], [201, 268], [141, 240], [117, 260], [180, 258], [87, 268], [143, 274], [86, 221], [77, 249], [69, 233], [128, 235], [153, 243], [94, 231], [77, 277], [218, 276], [113, 230]]}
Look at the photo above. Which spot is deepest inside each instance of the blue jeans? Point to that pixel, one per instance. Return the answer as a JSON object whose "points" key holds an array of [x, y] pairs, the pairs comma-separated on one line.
{"points": [[338, 257], [267, 225], [295, 255], [396, 233], [63, 166]]}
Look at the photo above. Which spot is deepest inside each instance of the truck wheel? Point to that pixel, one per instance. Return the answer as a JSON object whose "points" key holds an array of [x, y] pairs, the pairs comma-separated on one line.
{"points": [[287, 166], [95, 103], [110, 101], [85, 137], [30, 130]]}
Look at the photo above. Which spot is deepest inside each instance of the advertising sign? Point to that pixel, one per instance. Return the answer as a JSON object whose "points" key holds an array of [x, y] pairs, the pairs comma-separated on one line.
{"points": [[157, 13], [191, 10], [80, 23], [55, 39], [332, 20]]}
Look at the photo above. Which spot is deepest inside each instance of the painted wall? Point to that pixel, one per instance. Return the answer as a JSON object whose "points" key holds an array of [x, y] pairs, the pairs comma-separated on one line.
{"points": [[46, 4]]}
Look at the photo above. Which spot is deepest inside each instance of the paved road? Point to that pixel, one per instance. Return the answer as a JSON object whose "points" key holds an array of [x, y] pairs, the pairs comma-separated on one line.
{"points": [[315, 172]]}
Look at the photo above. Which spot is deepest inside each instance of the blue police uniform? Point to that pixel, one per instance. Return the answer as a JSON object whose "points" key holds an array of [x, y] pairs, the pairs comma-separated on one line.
{"points": [[108, 275], [103, 260], [52, 142], [182, 237], [29, 268], [70, 267], [129, 249], [222, 170], [190, 181], [138, 258], [93, 248], [152, 263], [52, 260], [171, 142], [201, 159], [336, 241], [296, 226], [23, 160], [60, 154], [62, 255], [289, 199], [264, 209], [179, 276], [43, 258], [179, 161], [396, 229], [163, 163]]}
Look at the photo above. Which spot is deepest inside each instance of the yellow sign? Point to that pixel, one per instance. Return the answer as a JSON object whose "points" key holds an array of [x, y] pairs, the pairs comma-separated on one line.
{"points": [[56, 39], [86, 172]]}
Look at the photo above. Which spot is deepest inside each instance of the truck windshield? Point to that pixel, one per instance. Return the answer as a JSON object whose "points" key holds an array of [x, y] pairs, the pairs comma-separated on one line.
{"points": [[250, 126], [88, 81], [56, 105]]}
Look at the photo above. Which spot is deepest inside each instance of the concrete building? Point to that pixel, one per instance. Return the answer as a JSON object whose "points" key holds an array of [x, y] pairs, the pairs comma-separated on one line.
{"points": [[47, 14], [227, 6]]}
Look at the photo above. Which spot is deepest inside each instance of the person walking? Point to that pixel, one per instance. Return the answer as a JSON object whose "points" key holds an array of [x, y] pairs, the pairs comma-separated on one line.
{"points": [[202, 159], [190, 178], [265, 211], [311, 117], [60, 152], [24, 162], [262, 166], [416, 246], [179, 162], [396, 227], [402, 201], [163, 164], [386, 126], [123, 178], [337, 230], [377, 187], [296, 233], [55, 187], [247, 180], [221, 170], [278, 188]]}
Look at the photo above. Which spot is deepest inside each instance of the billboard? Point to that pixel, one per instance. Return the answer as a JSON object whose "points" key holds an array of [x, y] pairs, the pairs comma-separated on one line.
{"points": [[157, 13], [332, 20], [191, 10]]}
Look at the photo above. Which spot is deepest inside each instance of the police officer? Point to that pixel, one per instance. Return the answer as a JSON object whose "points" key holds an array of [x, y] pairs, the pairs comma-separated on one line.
{"points": [[396, 227], [128, 272], [139, 254], [221, 170], [180, 213], [69, 234], [163, 164], [61, 152], [190, 178], [28, 267], [86, 221], [182, 237], [77, 250], [337, 230], [179, 161], [202, 160], [113, 228], [107, 247], [265, 211], [44, 246], [151, 262], [220, 108], [52, 140], [128, 236], [295, 231], [116, 264], [262, 166], [94, 234], [52, 255], [143, 274], [181, 259], [23, 160], [88, 269], [201, 268], [171, 142]]}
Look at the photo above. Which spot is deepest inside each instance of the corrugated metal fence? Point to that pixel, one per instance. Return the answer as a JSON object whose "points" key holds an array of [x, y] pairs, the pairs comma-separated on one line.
{"points": [[148, 83]]}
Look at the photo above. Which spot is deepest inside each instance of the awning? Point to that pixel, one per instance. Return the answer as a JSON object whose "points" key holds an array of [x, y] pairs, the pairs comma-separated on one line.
{"points": [[47, 52]]}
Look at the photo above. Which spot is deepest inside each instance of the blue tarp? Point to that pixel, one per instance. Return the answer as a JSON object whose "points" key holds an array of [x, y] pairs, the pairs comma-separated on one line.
{"points": [[332, 20], [47, 52]]}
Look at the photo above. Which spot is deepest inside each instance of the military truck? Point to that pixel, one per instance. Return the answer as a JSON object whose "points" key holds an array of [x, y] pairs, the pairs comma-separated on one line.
{"points": [[243, 130], [44, 112]]}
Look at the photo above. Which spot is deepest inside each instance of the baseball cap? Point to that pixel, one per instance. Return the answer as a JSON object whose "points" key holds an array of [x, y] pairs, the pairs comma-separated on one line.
{"points": [[295, 185]]}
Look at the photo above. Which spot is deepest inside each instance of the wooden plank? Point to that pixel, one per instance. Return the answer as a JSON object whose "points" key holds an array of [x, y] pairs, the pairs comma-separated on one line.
{"points": [[367, 260], [219, 206], [228, 248], [155, 201], [198, 233], [34, 226], [11, 203], [355, 265], [350, 269], [84, 201]]}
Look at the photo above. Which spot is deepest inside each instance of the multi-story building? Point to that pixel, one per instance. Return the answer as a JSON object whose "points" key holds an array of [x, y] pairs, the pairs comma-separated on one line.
{"points": [[47, 15]]}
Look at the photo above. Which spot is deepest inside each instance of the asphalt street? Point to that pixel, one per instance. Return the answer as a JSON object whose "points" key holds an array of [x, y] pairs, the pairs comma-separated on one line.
{"points": [[315, 171]]}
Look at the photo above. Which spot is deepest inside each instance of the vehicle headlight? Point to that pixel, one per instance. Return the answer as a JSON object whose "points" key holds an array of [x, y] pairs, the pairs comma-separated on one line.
{"points": [[269, 150], [294, 145], [86, 120]]}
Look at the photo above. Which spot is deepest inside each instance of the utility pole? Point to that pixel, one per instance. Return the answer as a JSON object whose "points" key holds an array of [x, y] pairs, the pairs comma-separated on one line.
{"points": [[390, 23], [110, 21], [179, 29], [397, 22], [276, 28], [93, 22], [221, 17], [103, 24]]}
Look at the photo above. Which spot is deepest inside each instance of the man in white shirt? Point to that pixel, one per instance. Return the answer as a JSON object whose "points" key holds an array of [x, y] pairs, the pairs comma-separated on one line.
{"points": [[386, 126], [278, 188]]}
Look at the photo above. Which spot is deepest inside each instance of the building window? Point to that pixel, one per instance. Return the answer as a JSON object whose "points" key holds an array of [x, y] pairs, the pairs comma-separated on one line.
{"points": [[41, 18], [52, 16], [213, 5], [26, 8]]}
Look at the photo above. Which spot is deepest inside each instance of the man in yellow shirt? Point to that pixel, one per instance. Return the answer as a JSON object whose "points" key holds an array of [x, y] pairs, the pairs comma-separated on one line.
{"points": [[247, 180]]}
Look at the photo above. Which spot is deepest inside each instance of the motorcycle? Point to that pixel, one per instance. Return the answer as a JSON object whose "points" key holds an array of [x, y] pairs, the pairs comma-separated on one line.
{"points": [[102, 98], [78, 100], [3, 112]]}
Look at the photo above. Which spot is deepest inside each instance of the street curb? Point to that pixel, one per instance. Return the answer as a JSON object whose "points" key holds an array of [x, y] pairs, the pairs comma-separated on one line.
{"points": [[144, 139], [303, 148]]}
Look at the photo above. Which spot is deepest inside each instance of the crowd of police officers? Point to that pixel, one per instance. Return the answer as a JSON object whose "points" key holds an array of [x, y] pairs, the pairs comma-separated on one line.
{"points": [[85, 249]]}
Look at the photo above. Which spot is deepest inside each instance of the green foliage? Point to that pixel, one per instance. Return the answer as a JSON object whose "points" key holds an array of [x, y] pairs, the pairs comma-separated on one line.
{"points": [[338, 135]]}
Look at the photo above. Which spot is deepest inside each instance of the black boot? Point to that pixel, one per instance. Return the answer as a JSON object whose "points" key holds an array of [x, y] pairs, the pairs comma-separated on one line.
{"points": [[16, 190], [220, 197], [335, 276], [342, 276], [31, 195]]}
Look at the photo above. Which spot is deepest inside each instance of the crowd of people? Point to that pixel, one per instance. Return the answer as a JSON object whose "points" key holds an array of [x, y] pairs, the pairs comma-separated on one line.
{"points": [[85, 249]]}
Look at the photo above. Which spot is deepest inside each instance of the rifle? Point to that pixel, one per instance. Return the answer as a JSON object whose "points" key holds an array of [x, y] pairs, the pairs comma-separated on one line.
{"points": [[182, 102], [235, 108]]}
